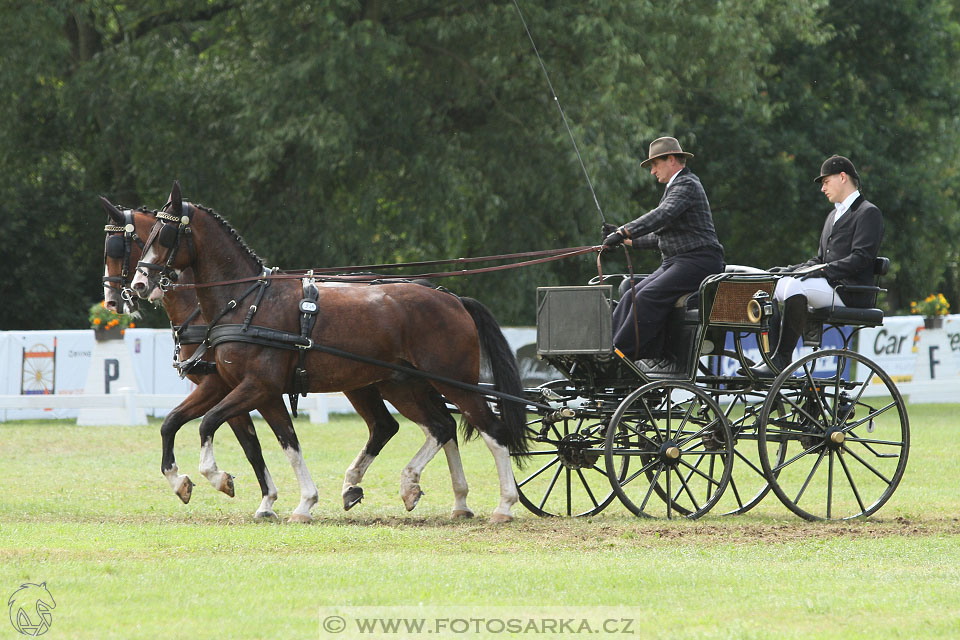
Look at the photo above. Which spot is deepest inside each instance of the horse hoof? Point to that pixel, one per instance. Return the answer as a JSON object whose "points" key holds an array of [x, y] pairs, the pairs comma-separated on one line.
{"points": [[412, 497], [226, 484], [265, 515], [500, 518], [300, 518], [462, 513], [352, 497], [185, 490]]}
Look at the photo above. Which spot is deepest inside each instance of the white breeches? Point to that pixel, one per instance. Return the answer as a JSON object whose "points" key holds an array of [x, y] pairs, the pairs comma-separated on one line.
{"points": [[818, 291]]}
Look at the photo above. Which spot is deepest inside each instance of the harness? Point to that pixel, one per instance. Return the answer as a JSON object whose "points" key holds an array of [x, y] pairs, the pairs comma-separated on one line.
{"points": [[308, 318], [259, 286], [164, 276]]}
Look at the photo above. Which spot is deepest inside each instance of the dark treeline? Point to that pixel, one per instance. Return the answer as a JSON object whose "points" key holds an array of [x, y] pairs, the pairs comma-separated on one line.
{"points": [[361, 131]]}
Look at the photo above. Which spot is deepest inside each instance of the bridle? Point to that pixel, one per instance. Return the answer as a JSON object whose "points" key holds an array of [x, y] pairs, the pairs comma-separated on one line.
{"points": [[168, 236], [118, 247]]}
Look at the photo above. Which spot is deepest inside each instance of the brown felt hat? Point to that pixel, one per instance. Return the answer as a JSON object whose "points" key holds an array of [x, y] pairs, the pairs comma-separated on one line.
{"points": [[837, 164], [664, 147]]}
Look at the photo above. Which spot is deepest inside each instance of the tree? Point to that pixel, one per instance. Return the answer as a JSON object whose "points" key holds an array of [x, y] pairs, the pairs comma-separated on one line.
{"points": [[372, 131]]}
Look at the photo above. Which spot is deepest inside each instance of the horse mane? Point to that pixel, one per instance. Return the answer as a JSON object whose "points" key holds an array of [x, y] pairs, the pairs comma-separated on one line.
{"points": [[233, 232]]}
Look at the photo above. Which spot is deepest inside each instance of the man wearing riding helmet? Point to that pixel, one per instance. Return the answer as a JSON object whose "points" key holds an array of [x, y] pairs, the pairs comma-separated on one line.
{"points": [[849, 245]]}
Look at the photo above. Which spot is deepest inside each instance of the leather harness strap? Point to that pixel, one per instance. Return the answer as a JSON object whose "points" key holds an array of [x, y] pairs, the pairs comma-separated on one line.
{"points": [[308, 317], [554, 254]]}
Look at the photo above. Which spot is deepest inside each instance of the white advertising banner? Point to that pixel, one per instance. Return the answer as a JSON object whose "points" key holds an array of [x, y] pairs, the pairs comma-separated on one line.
{"points": [[43, 362], [925, 363]]}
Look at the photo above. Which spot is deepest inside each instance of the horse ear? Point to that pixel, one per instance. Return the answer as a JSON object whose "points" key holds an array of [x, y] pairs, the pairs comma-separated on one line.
{"points": [[112, 211], [176, 202]]}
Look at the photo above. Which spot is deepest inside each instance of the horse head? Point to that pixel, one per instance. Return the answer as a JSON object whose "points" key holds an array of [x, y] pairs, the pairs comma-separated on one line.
{"points": [[122, 248], [162, 262]]}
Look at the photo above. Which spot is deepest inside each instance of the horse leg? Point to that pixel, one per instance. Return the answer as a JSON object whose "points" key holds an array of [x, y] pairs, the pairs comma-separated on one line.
{"points": [[243, 428], [382, 426], [180, 483], [200, 400], [424, 406], [452, 451], [275, 413], [458, 479], [477, 413]]}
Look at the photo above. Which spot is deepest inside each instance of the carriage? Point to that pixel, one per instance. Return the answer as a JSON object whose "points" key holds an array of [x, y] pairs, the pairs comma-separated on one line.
{"points": [[693, 431], [697, 430]]}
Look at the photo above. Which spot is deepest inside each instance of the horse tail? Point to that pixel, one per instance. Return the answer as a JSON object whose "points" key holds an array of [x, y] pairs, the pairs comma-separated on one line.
{"points": [[506, 378]]}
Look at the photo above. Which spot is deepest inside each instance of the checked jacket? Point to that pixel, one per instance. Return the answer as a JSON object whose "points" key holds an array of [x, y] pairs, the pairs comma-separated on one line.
{"points": [[681, 222]]}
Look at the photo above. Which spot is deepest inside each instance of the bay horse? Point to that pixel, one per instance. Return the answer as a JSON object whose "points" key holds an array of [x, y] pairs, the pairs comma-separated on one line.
{"points": [[406, 324], [124, 251]]}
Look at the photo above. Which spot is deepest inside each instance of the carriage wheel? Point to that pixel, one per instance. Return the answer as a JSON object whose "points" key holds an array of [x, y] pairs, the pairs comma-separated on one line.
{"points": [[562, 476], [847, 441], [748, 482], [741, 404], [681, 446]]}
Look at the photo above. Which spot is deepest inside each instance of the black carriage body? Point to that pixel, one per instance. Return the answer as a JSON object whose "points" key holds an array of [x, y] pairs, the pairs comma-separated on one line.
{"points": [[681, 419], [575, 334]]}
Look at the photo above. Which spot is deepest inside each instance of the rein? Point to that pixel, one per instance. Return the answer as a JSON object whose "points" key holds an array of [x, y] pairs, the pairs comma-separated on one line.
{"points": [[549, 255]]}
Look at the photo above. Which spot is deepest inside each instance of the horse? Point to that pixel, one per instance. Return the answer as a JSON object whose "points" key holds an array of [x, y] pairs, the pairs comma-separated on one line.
{"points": [[405, 326], [181, 307], [121, 248]]}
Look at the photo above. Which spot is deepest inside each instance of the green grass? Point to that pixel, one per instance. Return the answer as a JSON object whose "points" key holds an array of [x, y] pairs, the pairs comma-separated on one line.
{"points": [[87, 511]]}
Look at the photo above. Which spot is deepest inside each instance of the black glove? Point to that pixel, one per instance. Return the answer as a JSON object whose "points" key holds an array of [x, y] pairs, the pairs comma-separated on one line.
{"points": [[608, 228], [818, 273], [613, 240]]}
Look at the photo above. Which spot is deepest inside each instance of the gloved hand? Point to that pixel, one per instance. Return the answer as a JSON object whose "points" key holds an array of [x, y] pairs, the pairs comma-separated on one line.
{"points": [[608, 228], [613, 240], [779, 270], [818, 273]]}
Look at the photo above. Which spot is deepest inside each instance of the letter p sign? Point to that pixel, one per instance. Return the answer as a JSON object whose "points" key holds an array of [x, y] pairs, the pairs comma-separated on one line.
{"points": [[111, 372]]}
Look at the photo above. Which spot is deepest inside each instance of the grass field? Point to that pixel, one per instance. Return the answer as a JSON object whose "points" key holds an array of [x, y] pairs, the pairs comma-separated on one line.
{"points": [[87, 511]]}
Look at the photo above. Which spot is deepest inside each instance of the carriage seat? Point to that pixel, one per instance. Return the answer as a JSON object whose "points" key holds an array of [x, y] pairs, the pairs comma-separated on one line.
{"points": [[870, 317], [848, 316]]}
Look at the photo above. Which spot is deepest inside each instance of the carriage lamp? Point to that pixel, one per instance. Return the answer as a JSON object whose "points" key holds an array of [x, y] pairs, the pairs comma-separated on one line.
{"points": [[760, 308]]}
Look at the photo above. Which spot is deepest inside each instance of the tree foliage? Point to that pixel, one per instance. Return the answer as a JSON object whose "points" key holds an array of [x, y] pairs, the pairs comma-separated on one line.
{"points": [[371, 131]]}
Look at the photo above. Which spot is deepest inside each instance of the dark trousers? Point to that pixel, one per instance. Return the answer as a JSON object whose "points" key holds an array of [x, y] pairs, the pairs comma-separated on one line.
{"points": [[655, 295]]}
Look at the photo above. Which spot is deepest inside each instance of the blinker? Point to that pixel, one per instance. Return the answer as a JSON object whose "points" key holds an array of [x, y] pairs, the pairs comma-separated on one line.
{"points": [[114, 247], [167, 236]]}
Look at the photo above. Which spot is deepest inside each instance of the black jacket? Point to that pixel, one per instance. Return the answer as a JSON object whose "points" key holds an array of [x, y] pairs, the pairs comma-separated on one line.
{"points": [[849, 249]]}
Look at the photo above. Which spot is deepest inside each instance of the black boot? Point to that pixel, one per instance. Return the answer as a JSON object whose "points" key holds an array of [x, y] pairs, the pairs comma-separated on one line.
{"points": [[791, 328]]}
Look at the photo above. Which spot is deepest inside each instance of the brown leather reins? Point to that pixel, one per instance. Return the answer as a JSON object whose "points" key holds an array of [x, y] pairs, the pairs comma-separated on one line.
{"points": [[547, 255]]}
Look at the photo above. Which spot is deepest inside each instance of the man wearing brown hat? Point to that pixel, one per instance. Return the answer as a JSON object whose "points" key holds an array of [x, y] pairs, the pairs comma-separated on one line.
{"points": [[849, 245], [681, 227]]}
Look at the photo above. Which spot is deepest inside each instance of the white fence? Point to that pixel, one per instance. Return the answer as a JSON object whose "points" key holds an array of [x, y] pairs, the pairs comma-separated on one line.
{"points": [[130, 404], [61, 374]]}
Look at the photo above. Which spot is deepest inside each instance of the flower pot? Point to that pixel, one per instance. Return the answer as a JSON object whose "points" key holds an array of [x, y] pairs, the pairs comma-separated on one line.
{"points": [[933, 322], [101, 334]]}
